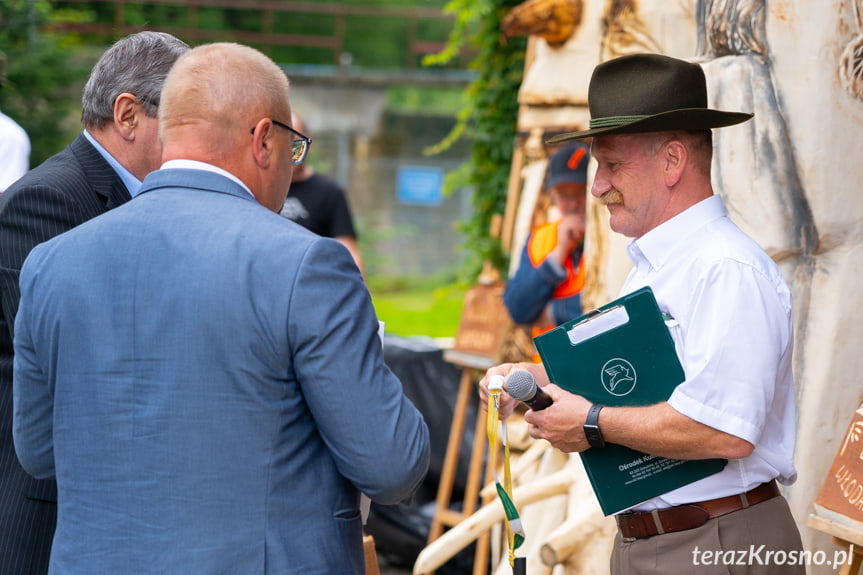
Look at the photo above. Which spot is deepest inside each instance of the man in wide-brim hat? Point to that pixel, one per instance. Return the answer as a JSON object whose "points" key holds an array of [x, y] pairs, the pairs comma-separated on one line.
{"points": [[728, 310]]}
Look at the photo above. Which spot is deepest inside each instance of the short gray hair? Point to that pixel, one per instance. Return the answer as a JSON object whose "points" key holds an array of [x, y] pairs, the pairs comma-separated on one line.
{"points": [[699, 144], [137, 64]]}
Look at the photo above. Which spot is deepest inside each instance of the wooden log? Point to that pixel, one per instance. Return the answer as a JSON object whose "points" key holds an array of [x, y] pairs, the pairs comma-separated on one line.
{"points": [[542, 518], [585, 521], [513, 196], [524, 462], [539, 519], [568, 538], [371, 555], [447, 545]]}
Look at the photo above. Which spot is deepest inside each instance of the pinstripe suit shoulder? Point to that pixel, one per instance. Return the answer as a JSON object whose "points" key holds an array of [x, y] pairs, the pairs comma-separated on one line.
{"points": [[69, 188]]}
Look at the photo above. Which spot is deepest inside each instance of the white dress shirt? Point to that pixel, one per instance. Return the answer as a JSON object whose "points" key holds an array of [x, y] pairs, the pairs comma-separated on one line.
{"points": [[14, 152], [732, 330]]}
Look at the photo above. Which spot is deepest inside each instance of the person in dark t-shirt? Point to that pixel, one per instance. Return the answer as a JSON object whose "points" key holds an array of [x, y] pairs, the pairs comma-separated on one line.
{"points": [[320, 205]]}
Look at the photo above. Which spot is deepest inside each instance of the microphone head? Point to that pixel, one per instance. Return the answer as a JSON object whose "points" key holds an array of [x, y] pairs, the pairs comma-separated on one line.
{"points": [[521, 385]]}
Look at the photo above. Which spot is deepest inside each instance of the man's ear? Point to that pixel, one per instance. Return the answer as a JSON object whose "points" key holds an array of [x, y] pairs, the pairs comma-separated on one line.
{"points": [[262, 142], [126, 114], [676, 156]]}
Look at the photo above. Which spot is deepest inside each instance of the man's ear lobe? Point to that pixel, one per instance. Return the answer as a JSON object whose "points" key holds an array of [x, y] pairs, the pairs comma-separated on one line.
{"points": [[675, 160], [262, 142], [126, 114]]}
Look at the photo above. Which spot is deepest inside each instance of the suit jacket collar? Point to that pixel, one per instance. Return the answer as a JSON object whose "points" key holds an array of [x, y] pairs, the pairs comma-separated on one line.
{"points": [[113, 190], [194, 179]]}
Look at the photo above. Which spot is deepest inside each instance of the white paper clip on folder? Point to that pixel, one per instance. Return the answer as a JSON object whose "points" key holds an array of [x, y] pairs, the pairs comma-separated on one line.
{"points": [[597, 323]]}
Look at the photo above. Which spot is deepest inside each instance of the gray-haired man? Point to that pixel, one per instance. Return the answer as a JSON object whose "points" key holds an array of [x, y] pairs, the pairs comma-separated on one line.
{"points": [[100, 170]]}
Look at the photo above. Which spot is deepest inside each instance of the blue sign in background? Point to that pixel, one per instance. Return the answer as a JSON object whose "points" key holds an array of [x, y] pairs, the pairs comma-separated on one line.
{"points": [[420, 185]]}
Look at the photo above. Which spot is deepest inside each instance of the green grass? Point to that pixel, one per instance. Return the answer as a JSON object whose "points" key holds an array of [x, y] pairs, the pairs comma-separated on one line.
{"points": [[417, 306]]}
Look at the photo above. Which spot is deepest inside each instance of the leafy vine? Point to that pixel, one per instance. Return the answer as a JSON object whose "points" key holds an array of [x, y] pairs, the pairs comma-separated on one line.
{"points": [[489, 117]]}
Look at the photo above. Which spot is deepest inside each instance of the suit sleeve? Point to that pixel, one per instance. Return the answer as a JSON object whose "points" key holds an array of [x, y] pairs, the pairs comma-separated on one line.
{"points": [[29, 216], [33, 414], [376, 436]]}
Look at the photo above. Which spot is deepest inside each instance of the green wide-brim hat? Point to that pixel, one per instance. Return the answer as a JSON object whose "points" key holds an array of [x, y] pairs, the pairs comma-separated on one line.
{"points": [[649, 93]]}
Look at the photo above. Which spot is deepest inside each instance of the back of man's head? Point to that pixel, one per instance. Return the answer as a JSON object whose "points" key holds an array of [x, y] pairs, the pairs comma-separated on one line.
{"points": [[220, 90], [137, 64], [214, 98]]}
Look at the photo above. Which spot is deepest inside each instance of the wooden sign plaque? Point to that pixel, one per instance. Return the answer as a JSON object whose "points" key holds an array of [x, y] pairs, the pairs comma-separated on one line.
{"points": [[486, 334], [842, 491]]}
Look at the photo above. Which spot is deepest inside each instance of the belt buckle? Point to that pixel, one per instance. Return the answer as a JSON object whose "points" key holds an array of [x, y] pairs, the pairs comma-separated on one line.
{"points": [[622, 537]]}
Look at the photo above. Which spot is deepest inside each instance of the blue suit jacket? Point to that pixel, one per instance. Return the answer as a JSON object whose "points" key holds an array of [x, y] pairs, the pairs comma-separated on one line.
{"points": [[206, 380]]}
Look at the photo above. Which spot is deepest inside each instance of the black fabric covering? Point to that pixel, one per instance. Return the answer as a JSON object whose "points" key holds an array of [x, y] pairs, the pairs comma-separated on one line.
{"points": [[431, 383]]}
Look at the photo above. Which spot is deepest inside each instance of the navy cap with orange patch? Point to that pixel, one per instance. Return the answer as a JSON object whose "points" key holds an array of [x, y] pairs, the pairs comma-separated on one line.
{"points": [[568, 165]]}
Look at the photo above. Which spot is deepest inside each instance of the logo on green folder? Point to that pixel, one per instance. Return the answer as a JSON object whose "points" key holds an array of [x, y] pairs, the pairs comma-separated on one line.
{"points": [[618, 377]]}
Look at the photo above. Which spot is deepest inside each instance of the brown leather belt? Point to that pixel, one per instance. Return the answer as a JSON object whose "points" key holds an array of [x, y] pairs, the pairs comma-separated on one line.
{"points": [[641, 524]]}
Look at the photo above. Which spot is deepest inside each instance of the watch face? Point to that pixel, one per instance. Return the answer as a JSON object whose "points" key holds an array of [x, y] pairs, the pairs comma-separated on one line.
{"points": [[594, 435], [591, 427]]}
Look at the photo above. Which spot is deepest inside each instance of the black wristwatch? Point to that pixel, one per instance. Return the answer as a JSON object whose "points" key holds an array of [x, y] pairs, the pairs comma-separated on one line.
{"points": [[591, 427]]}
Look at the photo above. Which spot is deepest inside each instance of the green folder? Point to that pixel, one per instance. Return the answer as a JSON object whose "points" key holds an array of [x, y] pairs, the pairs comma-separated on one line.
{"points": [[622, 354]]}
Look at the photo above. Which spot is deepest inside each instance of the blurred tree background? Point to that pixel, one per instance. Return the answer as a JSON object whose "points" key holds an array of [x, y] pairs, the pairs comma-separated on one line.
{"points": [[45, 71], [51, 46]]}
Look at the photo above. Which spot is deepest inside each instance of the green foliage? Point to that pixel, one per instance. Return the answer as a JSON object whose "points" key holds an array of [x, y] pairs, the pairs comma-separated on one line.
{"points": [[371, 40], [48, 71], [142, 15], [444, 101], [374, 54], [489, 118], [43, 74]]}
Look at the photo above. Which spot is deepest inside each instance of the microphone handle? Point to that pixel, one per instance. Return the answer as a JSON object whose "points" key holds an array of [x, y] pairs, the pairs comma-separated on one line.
{"points": [[540, 400]]}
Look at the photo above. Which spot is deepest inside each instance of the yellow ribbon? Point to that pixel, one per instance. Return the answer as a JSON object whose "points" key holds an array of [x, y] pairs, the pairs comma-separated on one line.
{"points": [[514, 531]]}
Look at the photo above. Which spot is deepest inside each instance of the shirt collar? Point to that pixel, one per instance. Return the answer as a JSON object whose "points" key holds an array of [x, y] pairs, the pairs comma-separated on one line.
{"points": [[132, 183], [659, 244], [196, 165]]}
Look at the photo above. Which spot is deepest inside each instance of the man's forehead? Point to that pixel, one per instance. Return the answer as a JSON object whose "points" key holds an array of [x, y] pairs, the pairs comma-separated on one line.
{"points": [[617, 143]]}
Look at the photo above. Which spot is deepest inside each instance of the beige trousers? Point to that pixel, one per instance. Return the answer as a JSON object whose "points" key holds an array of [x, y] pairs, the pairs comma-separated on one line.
{"points": [[760, 540]]}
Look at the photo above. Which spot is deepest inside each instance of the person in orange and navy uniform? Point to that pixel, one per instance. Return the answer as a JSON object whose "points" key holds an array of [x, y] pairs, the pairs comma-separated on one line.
{"points": [[546, 288]]}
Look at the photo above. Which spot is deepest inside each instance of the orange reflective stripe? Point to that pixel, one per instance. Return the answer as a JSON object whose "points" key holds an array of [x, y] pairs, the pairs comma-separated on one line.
{"points": [[541, 242], [538, 331], [539, 245], [534, 333], [574, 281]]}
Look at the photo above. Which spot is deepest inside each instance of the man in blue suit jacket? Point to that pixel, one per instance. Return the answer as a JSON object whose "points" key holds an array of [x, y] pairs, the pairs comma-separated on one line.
{"points": [[99, 171], [203, 376]]}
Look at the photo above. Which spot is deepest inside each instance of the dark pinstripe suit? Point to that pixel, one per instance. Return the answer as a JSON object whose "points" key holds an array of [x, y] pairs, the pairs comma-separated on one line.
{"points": [[68, 189]]}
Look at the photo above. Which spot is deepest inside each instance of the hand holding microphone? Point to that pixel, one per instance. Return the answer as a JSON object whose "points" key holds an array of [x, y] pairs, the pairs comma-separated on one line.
{"points": [[521, 385], [556, 426]]}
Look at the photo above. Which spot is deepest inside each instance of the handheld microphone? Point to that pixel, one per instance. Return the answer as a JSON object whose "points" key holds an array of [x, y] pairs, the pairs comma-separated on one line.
{"points": [[522, 386]]}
